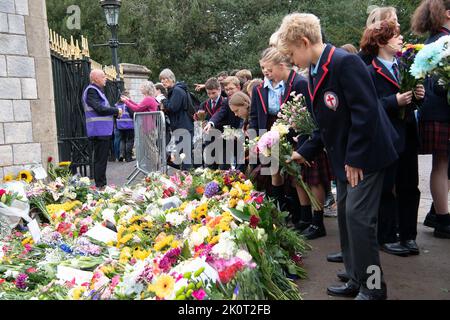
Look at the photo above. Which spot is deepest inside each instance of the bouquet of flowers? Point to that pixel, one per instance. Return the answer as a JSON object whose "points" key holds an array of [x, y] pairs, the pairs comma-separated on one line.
{"points": [[405, 60], [295, 115], [231, 133], [434, 60], [274, 143], [200, 115]]}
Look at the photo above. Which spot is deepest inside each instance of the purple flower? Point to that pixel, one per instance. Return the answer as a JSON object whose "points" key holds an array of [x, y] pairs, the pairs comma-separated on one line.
{"points": [[21, 281], [211, 189]]}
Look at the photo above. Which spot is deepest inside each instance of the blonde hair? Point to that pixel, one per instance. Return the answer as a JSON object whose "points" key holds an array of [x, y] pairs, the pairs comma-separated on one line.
{"points": [[148, 88], [244, 73], [379, 14], [296, 26], [232, 80], [275, 56], [273, 41]]}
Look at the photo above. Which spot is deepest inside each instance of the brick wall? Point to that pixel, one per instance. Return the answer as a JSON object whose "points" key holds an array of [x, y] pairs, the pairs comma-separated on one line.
{"points": [[27, 115]]}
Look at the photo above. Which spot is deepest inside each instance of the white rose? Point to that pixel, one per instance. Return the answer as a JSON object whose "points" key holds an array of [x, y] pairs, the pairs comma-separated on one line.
{"points": [[203, 231], [196, 239], [108, 214], [240, 205], [244, 255], [86, 181]]}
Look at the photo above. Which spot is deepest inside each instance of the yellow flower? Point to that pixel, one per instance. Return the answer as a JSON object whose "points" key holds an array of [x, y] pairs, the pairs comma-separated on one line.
{"points": [[163, 287], [64, 164], [175, 244], [77, 292], [140, 254], [214, 240], [25, 175], [125, 254], [232, 203], [126, 238], [234, 193], [159, 245], [27, 241], [8, 178]]}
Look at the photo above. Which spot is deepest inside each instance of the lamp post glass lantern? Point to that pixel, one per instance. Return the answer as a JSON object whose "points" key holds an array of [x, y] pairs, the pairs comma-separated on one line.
{"points": [[111, 9]]}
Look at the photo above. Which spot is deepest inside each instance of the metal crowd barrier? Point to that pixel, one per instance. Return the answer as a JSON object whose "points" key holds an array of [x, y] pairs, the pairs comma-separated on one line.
{"points": [[150, 143]]}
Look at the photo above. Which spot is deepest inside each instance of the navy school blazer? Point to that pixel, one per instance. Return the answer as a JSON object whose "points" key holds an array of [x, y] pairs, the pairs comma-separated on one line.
{"points": [[225, 117], [435, 106], [352, 124], [387, 88], [207, 107], [260, 97]]}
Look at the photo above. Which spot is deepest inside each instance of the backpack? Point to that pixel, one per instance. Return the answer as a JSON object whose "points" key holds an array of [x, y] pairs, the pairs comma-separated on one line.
{"points": [[193, 104]]}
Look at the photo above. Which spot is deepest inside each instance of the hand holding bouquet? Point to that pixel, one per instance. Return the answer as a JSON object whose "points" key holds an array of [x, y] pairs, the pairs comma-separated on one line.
{"points": [[408, 82], [275, 144]]}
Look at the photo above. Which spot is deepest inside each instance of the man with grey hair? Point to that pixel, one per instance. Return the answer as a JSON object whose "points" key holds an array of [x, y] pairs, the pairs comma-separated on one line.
{"points": [[99, 123]]}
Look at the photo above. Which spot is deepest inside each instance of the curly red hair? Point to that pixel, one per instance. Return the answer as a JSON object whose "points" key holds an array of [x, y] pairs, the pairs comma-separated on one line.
{"points": [[375, 36]]}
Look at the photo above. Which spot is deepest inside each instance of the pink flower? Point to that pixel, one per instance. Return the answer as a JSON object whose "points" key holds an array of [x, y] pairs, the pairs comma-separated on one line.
{"points": [[31, 270], [115, 281], [199, 294], [259, 199], [267, 141], [2, 192]]}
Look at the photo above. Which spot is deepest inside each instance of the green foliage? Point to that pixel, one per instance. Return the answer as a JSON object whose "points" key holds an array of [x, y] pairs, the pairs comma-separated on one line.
{"points": [[199, 38]]}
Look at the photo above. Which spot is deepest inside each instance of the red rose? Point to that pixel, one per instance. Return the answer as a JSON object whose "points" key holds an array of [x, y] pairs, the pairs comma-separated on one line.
{"points": [[49, 159], [83, 230], [2, 192], [259, 199], [2, 280], [254, 221]]}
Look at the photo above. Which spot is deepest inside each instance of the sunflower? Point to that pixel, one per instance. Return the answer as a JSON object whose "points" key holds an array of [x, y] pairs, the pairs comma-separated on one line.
{"points": [[65, 164], [25, 175], [163, 287], [8, 178]]}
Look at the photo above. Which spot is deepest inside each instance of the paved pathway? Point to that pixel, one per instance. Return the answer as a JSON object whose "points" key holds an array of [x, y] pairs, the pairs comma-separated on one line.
{"points": [[426, 276]]}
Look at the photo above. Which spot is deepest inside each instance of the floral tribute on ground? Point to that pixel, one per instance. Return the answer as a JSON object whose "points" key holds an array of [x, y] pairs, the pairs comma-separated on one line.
{"points": [[192, 236]]}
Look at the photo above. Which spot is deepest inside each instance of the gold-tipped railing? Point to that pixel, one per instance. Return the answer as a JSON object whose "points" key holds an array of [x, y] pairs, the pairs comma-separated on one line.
{"points": [[72, 50]]}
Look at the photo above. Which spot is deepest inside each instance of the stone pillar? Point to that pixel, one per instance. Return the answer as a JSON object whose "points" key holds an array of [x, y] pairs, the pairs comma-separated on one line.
{"points": [[27, 112], [134, 75]]}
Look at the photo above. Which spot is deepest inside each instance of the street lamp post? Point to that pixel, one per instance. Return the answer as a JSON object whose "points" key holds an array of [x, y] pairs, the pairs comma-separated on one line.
{"points": [[111, 9]]}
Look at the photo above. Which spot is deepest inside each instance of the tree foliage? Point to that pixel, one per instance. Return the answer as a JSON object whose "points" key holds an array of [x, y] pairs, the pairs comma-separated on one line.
{"points": [[199, 38]]}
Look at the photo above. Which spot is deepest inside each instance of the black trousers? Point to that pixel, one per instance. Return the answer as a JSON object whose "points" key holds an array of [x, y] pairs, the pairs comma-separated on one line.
{"points": [[101, 146], [126, 143], [357, 218], [408, 193], [399, 209]]}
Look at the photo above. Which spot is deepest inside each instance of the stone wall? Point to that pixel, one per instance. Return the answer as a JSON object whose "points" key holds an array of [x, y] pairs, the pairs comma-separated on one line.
{"points": [[133, 76], [27, 112]]}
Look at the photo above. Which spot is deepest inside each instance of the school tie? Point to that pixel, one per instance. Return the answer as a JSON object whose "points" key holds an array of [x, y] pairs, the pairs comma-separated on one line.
{"points": [[396, 72], [214, 106]]}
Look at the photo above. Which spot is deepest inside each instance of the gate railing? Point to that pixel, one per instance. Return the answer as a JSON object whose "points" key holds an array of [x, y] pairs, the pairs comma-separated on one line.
{"points": [[71, 65]]}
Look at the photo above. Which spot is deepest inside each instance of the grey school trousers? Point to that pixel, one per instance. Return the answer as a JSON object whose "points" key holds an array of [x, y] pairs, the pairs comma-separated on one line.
{"points": [[357, 218]]}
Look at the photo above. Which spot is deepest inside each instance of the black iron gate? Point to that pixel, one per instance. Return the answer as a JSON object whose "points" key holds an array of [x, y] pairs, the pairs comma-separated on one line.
{"points": [[70, 78]]}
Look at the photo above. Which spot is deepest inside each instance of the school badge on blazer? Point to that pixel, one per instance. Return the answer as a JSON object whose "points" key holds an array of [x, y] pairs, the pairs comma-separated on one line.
{"points": [[331, 100]]}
